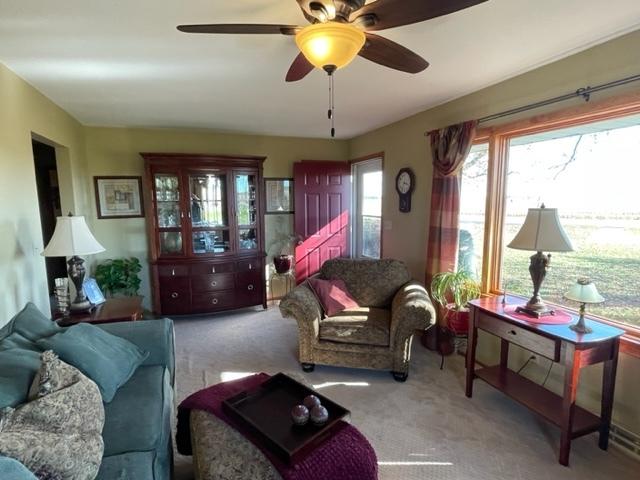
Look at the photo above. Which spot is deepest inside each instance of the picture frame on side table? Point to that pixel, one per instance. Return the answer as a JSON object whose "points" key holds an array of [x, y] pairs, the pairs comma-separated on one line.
{"points": [[119, 197], [278, 195], [92, 291]]}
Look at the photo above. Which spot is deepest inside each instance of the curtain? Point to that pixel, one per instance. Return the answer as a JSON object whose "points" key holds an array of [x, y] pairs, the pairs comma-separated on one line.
{"points": [[449, 149]]}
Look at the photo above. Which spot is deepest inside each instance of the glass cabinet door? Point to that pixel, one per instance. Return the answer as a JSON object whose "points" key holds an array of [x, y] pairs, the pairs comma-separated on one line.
{"points": [[246, 211], [168, 213], [209, 213]]}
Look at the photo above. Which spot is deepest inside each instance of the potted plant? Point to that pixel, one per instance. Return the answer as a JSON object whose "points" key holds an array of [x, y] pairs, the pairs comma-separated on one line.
{"points": [[282, 251], [453, 290], [119, 276]]}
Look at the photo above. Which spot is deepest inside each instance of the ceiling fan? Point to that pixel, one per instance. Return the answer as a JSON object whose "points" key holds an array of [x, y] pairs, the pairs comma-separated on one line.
{"points": [[340, 30]]}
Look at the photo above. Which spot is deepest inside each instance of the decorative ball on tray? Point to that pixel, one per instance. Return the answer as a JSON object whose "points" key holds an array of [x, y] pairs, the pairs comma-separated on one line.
{"points": [[319, 415], [300, 415], [311, 401]]}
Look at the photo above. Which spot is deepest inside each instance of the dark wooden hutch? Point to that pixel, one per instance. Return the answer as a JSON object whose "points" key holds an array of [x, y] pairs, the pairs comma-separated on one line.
{"points": [[206, 233]]}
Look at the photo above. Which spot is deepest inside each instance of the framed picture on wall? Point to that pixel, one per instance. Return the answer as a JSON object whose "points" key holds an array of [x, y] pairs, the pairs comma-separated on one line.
{"points": [[119, 197], [279, 195]]}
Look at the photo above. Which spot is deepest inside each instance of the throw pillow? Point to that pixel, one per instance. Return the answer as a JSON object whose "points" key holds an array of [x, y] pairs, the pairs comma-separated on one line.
{"points": [[31, 324], [332, 295], [108, 360], [14, 470], [18, 366], [58, 435]]}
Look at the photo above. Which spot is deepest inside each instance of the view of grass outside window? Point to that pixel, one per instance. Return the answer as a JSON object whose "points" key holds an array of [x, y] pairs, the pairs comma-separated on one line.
{"points": [[472, 210], [590, 174], [371, 213]]}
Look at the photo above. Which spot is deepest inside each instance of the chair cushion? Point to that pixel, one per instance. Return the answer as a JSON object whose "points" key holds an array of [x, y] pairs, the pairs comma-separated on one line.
{"points": [[135, 419], [361, 326], [332, 295], [373, 283], [106, 359], [31, 323]]}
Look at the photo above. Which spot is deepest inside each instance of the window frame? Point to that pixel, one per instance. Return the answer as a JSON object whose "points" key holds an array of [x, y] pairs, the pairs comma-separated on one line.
{"points": [[355, 223], [498, 138]]}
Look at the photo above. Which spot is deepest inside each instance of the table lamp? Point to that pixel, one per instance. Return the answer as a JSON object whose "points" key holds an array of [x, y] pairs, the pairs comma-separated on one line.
{"points": [[540, 232], [583, 291], [70, 239]]}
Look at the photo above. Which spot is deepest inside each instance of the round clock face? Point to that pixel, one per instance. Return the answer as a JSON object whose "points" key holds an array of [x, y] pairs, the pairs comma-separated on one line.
{"points": [[404, 182]]}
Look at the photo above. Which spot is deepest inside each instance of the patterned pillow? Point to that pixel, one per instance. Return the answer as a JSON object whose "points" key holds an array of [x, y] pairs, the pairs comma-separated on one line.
{"points": [[58, 434]]}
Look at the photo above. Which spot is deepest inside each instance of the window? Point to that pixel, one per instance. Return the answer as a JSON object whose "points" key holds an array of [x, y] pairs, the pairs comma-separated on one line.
{"points": [[473, 196], [367, 196], [584, 162]]}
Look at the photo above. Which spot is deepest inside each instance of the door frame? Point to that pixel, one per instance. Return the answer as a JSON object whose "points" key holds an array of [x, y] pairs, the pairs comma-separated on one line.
{"points": [[372, 159]]}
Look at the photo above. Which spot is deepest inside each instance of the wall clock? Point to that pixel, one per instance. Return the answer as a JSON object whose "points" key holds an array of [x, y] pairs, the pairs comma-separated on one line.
{"points": [[405, 184]]}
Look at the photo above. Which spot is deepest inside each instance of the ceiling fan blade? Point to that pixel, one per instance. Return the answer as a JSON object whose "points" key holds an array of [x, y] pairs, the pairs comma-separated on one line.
{"points": [[391, 54], [299, 69], [317, 10], [241, 28], [395, 13]]}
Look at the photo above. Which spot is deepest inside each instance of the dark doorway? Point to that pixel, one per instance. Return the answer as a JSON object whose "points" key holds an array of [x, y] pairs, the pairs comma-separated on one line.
{"points": [[44, 157]]}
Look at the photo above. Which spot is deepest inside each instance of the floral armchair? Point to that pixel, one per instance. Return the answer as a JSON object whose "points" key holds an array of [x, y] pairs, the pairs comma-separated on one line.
{"points": [[375, 335]]}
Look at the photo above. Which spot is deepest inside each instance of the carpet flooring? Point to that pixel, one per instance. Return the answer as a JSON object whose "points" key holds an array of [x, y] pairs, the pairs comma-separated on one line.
{"points": [[422, 429]]}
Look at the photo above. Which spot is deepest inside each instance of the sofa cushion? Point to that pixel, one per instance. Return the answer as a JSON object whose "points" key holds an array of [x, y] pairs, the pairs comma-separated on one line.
{"points": [[128, 466], [14, 470], [15, 340], [360, 326], [31, 323], [18, 366], [373, 283], [135, 419], [106, 359], [332, 295]]}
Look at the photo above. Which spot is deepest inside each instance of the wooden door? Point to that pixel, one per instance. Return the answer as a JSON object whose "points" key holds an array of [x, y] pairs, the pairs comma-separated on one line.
{"points": [[322, 203]]}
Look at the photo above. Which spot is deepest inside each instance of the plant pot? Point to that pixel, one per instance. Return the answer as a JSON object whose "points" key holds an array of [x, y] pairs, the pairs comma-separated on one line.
{"points": [[282, 263], [458, 320]]}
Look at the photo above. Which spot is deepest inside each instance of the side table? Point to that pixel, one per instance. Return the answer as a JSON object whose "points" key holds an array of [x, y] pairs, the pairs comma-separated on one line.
{"points": [[288, 279], [560, 344], [125, 309]]}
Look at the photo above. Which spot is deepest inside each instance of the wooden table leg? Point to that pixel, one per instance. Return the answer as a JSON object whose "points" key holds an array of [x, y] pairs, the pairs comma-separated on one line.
{"points": [[571, 377], [608, 386], [471, 352], [504, 354]]}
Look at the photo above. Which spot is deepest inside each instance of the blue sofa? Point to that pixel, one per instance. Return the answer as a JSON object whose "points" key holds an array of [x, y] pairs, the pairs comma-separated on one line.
{"points": [[137, 430]]}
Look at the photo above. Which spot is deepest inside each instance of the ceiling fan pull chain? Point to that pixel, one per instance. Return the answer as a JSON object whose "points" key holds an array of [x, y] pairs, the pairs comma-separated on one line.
{"points": [[332, 105]]}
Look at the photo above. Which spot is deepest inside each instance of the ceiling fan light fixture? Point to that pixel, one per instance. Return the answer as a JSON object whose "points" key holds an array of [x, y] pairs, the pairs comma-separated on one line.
{"points": [[330, 43]]}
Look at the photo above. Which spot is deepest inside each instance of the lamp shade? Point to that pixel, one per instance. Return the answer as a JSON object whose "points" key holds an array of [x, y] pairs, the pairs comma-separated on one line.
{"points": [[584, 291], [542, 232], [71, 237], [330, 43]]}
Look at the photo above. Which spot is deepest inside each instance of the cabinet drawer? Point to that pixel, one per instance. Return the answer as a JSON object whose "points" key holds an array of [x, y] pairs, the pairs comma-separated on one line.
{"points": [[534, 342], [211, 268], [210, 283], [173, 270], [252, 264], [249, 282], [206, 302], [175, 301]]}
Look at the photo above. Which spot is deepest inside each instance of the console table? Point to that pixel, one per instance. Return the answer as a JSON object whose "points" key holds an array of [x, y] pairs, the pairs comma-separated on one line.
{"points": [[560, 344]]}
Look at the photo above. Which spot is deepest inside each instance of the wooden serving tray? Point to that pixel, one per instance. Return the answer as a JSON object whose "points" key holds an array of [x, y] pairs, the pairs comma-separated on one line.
{"points": [[266, 413]]}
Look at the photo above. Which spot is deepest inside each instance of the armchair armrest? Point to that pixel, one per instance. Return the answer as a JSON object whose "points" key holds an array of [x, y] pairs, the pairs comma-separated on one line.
{"points": [[411, 310], [154, 336], [301, 304]]}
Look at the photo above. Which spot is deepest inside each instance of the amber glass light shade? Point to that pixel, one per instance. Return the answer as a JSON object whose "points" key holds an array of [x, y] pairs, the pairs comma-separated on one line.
{"points": [[330, 43]]}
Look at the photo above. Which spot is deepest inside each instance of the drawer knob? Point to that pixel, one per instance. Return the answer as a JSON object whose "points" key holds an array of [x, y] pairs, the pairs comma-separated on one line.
{"points": [[174, 295], [173, 272], [512, 332], [214, 301], [213, 269], [250, 266], [250, 287], [214, 283]]}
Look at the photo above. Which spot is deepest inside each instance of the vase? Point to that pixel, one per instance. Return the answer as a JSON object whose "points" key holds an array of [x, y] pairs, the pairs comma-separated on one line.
{"points": [[282, 263]]}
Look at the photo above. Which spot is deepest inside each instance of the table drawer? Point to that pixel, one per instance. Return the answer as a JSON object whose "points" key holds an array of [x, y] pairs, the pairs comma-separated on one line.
{"points": [[207, 302], [211, 268], [211, 283], [173, 270], [534, 342]]}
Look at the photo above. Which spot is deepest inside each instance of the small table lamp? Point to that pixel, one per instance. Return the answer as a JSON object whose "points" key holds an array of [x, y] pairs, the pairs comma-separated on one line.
{"points": [[540, 232], [584, 291], [70, 239]]}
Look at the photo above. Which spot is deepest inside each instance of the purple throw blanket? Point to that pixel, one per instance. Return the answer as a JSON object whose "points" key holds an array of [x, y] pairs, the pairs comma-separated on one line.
{"points": [[346, 455]]}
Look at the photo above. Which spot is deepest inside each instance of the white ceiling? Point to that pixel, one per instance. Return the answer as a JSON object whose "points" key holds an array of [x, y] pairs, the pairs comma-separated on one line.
{"points": [[123, 63]]}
